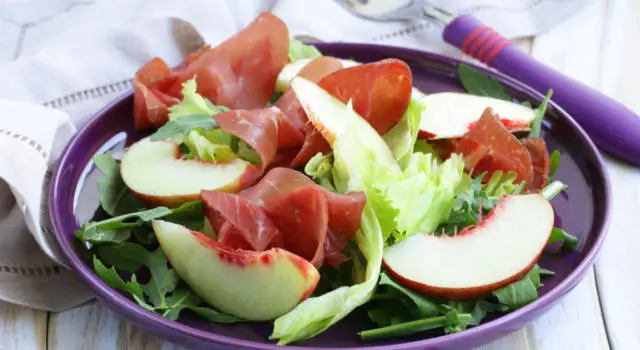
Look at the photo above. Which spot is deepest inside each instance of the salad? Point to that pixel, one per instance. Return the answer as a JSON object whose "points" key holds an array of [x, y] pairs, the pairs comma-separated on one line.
{"points": [[281, 185]]}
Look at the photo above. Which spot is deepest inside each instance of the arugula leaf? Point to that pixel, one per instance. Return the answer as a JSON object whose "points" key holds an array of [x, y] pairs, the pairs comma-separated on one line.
{"points": [[184, 125], [118, 229], [423, 307], [479, 84], [163, 279], [476, 199], [553, 189], [539, 112], [521, 292], [189, 214], [545, 272], [406, 328], [554, 163], [115, 197], [113, 280], [125, 256], [95, 235], [569, 241], [176, 302]]}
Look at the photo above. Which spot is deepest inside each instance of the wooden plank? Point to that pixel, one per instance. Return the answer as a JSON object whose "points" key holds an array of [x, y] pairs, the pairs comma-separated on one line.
{"points": [[92, 326], [617, 265], [22, 327]]}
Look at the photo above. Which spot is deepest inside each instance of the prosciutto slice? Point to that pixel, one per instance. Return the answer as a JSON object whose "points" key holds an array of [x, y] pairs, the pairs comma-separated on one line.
{"points": [[489, 147], [240, 73], [540, 159], [286, 209]]}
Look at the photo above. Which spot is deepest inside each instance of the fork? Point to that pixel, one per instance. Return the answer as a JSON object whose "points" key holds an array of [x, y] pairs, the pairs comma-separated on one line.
{"points": [[613, 127]]}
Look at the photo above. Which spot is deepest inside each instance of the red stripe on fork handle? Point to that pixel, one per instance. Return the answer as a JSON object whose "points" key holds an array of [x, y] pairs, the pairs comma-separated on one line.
{"points": [[495, 39], [479, 42], [469, 39], [496, 50]]}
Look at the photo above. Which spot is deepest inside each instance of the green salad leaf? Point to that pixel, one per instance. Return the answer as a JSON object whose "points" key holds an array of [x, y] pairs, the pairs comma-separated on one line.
{"points": [[201, 146], [479, 84], [402, 137], [320, 169], [539, 112], [299, 50], [553, 189], [115, 197], [569, 241], [183, 126], [521, 292], [193, 103], [423, 196], [476, 200], [411, 327], [118, 229], [554, 163]]}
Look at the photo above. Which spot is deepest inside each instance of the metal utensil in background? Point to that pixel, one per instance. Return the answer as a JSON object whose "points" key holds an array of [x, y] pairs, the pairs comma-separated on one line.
{"points": [[613, 127]]}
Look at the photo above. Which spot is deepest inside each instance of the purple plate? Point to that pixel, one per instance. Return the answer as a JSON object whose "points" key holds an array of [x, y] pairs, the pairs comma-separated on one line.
{"points": [[583, 210]]}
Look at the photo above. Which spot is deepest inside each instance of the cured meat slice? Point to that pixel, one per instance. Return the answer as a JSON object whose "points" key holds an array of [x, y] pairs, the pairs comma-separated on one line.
{"points": [[380, 91], [540, 159], [254, 229], [240, 73], [151, 106], [489, 147], [303, 213], [265, 130]]}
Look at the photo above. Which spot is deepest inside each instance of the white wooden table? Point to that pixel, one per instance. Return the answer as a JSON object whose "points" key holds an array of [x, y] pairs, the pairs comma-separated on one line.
{"points": [[599, 46]]}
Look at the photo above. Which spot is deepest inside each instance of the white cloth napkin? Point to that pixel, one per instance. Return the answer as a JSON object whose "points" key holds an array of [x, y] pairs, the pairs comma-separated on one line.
{"points": [[48, 93]]}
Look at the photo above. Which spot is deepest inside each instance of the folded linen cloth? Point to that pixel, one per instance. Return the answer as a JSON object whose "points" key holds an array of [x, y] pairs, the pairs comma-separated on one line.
{"points": [[52, 89]]}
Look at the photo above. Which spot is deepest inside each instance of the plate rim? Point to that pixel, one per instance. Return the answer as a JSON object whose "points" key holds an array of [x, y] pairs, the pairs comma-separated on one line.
{"points": [[120, 304]]}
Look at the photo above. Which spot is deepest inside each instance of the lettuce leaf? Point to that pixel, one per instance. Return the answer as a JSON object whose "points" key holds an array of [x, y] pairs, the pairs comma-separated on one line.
{"points": [[193, 103], [424, 197], [320, 169], [298, 50], [402, 137], [204, 149]]}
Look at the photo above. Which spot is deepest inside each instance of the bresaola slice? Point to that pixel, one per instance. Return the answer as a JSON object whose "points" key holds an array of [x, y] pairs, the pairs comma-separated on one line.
{"points": [[265, 130], [303, 213], [240, 73], [540, 159], [380, 91], [490, 147]]}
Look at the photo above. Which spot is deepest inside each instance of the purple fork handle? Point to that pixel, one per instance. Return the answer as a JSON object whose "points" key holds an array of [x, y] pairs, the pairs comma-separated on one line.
{"points": [[613, 127]]}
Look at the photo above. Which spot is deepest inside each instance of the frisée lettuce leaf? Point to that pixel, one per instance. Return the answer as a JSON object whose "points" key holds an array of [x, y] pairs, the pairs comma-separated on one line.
{"points": [[298, 50]]}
